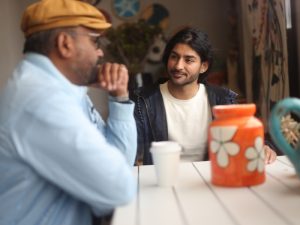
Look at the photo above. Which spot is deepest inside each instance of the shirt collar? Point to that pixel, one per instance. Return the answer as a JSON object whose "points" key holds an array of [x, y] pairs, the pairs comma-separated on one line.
{"points": [[45, 64]]}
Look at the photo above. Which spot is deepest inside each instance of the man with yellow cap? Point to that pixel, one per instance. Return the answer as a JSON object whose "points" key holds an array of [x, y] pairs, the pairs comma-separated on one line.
{"points": [[60, 163]]}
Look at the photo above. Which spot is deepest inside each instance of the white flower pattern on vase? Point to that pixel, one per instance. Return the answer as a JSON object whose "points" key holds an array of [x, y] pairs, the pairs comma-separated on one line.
{"points": [[256, 156], [222, 145]]}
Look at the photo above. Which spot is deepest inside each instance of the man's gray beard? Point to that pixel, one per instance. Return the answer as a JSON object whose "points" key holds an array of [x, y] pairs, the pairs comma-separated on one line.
{"points": [[94, 75]]}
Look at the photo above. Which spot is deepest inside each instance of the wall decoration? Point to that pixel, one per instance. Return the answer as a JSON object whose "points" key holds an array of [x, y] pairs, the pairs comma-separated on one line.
{"points": [[156, 50], [156, 14], [269, 81], [126, 9]]}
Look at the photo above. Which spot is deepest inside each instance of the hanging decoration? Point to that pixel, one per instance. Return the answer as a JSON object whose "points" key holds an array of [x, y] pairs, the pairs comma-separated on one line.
{"points": [[156, 14], [126, 9], [266, 19]]}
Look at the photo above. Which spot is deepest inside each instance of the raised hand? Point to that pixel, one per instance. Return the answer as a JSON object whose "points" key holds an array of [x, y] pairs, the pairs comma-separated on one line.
{"points": [[113, 77]]}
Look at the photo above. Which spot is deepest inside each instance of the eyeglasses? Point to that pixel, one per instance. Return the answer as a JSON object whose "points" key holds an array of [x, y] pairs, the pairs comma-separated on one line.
{"points": [[94, 37]]}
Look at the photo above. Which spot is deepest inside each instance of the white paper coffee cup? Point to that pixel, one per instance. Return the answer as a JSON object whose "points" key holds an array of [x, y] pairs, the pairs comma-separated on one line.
{"points": [[166, 158]]}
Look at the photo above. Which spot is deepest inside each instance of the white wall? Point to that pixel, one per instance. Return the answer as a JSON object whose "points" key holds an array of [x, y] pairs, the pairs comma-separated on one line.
{"points": [[10, 39]]}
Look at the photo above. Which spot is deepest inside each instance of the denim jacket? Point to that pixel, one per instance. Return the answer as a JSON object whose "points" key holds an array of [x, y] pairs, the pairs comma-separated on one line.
{"points": [[151, 119]]}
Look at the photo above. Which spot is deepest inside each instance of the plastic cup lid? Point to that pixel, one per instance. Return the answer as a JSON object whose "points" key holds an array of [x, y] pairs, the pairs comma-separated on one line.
{"points": [[165, 147]]}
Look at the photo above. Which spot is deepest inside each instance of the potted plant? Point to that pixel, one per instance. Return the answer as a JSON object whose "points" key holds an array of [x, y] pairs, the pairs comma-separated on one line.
{"points": [[217, 73], [129, 43]]}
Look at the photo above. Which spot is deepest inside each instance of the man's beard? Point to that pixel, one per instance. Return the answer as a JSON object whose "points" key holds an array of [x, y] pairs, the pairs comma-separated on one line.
{"points": [[94, 75]]}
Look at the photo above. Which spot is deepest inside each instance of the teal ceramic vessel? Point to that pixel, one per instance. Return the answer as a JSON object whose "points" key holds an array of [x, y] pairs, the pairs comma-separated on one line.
{"points": [[281, 109]]}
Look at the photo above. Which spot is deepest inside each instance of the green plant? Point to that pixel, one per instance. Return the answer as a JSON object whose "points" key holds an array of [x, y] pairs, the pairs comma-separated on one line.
{"points": [[131, 42], [219, 63]]}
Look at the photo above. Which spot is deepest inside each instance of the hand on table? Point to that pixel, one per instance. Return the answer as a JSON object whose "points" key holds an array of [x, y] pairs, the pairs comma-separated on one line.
{"points": [[270, 155]]}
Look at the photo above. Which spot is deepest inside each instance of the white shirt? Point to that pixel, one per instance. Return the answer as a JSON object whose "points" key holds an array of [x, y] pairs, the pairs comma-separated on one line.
{"points": [[188, 122]]}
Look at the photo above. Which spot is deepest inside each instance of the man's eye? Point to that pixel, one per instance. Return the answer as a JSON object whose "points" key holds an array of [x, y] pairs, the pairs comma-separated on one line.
{"points": [[96, 41], [173, 56], [190, 60]]}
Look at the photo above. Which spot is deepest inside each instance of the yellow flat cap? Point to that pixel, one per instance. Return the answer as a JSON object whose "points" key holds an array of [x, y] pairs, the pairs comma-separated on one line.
{"points": [[49, 14]]}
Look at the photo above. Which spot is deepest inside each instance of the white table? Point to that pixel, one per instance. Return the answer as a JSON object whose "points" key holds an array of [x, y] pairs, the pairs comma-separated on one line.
{"points": [[194, 200]]}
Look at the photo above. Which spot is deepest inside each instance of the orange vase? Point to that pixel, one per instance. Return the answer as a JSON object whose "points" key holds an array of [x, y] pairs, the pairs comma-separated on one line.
{"points": [[236, 146]]}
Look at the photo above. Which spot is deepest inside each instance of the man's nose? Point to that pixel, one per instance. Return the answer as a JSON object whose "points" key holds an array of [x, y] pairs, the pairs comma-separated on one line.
{"points": [[100, 52], [179, 64]]}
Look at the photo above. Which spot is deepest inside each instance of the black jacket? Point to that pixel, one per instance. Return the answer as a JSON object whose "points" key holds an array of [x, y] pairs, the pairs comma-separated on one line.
{"points": [[151, 119]]}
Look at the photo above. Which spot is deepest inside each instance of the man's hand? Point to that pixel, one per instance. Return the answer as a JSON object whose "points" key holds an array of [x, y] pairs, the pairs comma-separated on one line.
{"points": [[270, 155], [113, 77]]}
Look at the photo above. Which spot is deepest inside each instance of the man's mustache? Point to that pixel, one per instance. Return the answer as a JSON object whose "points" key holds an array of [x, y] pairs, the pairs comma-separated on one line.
{"points": [[177, 71], [100, 61]]}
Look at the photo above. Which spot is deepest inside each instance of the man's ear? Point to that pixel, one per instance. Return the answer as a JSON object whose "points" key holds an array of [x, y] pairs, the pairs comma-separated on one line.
{"points": [[65, 45], [204, 67]]}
